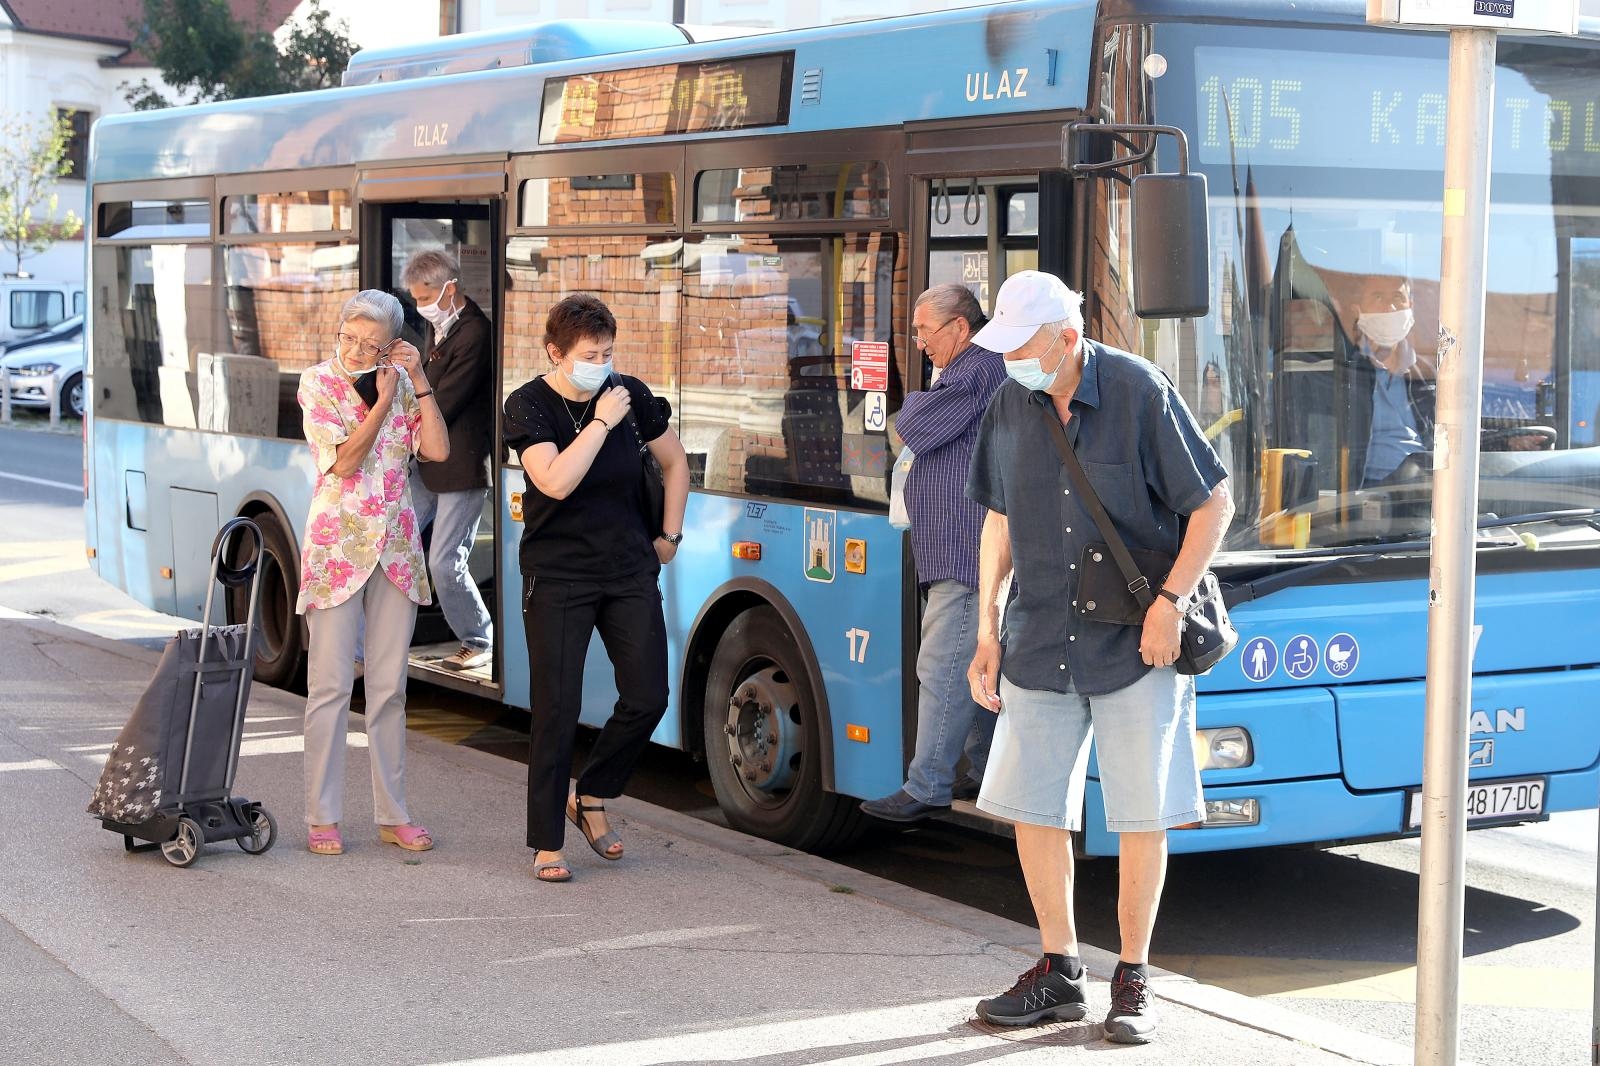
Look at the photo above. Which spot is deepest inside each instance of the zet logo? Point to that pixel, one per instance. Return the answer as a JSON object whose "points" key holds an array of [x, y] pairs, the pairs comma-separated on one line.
{"points": [[754, 510]]}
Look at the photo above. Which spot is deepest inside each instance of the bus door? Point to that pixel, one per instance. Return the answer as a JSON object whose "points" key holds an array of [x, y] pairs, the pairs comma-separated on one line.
{"points": [[976, 227], [469, 228]]}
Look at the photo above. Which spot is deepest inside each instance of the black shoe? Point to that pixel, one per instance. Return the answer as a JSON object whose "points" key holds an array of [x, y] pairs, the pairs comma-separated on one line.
{"points": [[900, 806], [1130, 1019], [1040, 995], [966, 789]]}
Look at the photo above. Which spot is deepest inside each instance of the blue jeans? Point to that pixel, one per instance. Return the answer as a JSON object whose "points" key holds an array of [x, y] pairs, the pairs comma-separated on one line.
{"points": [[948, 722], [455, 517]]}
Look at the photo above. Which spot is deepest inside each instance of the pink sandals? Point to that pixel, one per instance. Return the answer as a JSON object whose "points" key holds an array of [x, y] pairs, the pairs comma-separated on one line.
{"points": [[325, 841], [409, 837]]}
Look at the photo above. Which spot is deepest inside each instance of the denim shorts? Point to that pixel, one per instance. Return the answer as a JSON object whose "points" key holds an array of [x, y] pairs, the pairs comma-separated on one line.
{"points": [[1144, 740]]}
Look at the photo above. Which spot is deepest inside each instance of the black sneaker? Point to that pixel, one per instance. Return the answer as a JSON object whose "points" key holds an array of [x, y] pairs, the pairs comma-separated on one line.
{"points": [[1040, 995], [1130, 1019]]}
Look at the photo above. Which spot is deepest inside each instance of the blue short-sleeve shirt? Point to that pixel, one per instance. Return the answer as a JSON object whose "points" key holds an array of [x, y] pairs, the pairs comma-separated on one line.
{"points": [[1149, 463]]}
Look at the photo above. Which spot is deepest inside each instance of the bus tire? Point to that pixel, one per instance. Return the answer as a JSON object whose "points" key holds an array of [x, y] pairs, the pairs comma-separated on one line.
{"points": [[763, 740], [280, 635]]}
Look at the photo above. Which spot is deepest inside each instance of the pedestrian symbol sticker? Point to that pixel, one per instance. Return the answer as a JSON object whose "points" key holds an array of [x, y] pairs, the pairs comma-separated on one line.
{"points": [[1342, 654], [1259, 659], [1300, 657], [820, 527]]}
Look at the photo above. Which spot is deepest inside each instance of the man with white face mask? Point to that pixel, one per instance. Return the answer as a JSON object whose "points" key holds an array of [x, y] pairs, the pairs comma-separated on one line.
{"points": [[460, 367], [1394, 415], [1065, 675]]}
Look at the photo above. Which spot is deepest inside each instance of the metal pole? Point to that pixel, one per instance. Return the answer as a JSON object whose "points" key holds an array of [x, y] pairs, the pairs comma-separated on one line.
{"points": [[1594, 1030], [5, 396], [1442, 892]]}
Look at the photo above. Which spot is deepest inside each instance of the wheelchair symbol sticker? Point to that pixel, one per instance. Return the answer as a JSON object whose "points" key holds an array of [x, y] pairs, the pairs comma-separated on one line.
{"points": [[1341, 653], [1300, 657], [1259, 660]]}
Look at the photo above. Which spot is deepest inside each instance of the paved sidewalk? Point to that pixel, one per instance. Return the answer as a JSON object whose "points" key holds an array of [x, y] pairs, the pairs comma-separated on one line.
{"points": [[703, 945]]}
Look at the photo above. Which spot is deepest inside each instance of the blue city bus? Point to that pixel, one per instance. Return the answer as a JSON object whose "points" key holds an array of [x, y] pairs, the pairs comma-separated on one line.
{"points": [[760, 211]]}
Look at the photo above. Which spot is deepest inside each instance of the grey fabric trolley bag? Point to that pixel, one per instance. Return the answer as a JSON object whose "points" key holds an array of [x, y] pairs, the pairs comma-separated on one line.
{"points": [[168, 781]]}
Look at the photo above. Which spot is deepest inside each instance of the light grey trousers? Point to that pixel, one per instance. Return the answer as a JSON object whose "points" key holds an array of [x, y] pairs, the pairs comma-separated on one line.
{"points": [[330, 673]]}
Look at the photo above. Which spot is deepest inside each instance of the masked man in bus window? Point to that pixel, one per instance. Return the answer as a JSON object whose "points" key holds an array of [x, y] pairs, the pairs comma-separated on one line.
{"points": [[1066, 676], [940, 425], [460, 369], [1390, 393]]}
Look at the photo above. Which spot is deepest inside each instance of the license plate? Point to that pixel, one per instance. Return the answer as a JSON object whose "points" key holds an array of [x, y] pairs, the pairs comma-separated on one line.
{"points": [[1491, 801]]}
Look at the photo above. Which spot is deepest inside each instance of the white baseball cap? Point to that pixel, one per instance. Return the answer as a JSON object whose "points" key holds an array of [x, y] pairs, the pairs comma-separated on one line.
{"points": [[1028, 299]]}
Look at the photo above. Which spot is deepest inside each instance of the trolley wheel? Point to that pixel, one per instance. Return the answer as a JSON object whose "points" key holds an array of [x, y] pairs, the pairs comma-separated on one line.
{"points": [[184, 848], [263, 832], [764, 740], [279, 636]]}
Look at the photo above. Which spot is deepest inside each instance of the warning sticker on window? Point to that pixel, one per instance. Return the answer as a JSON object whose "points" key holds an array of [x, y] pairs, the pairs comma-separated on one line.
{"points": [[869, 366]]}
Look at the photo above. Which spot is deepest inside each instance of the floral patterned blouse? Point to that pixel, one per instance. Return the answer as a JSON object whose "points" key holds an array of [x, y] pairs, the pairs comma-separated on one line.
{"points": [[366, 522]]}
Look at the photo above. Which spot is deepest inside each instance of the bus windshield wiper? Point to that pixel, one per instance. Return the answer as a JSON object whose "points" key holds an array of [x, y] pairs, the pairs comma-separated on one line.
{"points": [[1320, 560]]}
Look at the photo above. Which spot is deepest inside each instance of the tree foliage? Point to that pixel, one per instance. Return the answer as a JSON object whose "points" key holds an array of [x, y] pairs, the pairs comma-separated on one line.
{"points": [[33, 157], [204, 53]]}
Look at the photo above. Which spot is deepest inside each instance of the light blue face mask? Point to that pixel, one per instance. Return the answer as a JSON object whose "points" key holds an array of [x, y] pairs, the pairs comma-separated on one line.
{"points": [[1030, 373], [587, 377]]}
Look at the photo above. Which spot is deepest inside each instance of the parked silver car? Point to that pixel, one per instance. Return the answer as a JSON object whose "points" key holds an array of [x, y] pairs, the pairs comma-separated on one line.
{"points": [[31, 371]]}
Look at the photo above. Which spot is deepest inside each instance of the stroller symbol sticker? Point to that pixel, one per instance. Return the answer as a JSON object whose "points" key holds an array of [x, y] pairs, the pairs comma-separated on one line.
{"points": [[1300, 657], [1342, 653], [1259, 660]]}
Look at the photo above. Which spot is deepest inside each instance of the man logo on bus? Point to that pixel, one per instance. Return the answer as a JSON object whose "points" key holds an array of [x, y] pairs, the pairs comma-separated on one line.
{"points": [[1512, 720]]}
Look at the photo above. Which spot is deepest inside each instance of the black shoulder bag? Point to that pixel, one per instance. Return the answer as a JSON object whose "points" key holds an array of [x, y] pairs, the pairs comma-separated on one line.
{"points": [[652, 487], [1114, 584]]}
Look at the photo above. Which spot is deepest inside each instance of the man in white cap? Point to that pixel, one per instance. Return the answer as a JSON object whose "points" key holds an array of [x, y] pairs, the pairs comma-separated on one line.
{"points": [[1067, 676]]}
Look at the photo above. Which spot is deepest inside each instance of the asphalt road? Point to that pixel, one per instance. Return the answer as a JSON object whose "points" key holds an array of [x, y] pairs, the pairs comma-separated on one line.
{"points": [[1328, 933]]}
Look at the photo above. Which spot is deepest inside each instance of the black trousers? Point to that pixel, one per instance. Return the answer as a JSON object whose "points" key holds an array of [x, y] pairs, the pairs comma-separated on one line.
{"points": [[559, 617]]}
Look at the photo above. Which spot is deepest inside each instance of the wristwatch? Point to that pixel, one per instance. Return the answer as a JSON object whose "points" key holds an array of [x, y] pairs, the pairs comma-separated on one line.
{"points": [[672, 538], [1180, 602]]}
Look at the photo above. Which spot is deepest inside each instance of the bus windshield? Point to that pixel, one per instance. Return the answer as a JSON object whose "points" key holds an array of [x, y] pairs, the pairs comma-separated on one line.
{"points": [[1315, 375]]}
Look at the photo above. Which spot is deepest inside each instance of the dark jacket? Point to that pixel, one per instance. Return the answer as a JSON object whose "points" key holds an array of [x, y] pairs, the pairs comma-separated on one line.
{"points": [[460, 370]]}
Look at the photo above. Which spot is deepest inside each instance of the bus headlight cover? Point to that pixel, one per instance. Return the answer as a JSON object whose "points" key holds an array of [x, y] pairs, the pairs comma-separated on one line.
{"points": [[1220, 813], [1225, 748]]}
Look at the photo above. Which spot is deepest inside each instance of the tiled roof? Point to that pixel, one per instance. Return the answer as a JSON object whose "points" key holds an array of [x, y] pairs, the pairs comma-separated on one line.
{"points": [[111, 21]]}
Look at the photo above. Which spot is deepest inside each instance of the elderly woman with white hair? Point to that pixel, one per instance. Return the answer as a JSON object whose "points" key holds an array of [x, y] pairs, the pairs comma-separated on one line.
{"points": [[368, 410]]}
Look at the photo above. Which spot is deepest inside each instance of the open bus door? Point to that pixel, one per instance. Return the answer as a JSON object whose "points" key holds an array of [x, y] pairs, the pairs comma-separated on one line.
{"points": [[458, 209]]}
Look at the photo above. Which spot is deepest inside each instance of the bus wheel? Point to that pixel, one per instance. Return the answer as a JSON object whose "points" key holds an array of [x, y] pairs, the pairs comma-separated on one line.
{"points": [[280, 648], [763, 740]]}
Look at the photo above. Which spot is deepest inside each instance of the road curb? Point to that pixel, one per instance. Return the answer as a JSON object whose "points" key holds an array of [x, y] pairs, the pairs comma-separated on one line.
{"points": [[1176, 988]]}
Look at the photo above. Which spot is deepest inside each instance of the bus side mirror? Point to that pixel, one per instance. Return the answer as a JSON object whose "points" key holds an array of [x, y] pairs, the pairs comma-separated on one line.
{"points": [[1171, 246]]}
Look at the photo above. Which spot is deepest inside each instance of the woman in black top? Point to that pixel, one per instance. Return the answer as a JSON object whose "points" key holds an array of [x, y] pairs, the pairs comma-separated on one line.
{"points": [[588, 562]]}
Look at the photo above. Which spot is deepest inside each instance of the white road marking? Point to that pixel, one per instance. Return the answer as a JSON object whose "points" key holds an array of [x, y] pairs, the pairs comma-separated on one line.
{"points": [[66, 485], [502, 918], [30, 764], [663, 938]]}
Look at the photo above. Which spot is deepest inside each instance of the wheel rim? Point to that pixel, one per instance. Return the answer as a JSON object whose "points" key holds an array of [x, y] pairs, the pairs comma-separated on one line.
{"points": [[183, 848], [765, 733], [260, 831], [75, 398]]}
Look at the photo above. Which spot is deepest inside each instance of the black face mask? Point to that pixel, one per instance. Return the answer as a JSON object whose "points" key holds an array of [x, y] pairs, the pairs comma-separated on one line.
{"points": [[367, 388]]}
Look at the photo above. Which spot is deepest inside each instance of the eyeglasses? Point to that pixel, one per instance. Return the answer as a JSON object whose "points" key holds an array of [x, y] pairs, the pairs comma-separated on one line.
{"points": [[922, 342], [369, 349]]}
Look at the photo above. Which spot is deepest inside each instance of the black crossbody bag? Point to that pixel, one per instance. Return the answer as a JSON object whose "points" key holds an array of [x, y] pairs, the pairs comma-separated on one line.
{"points": [[1114, 584]]}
